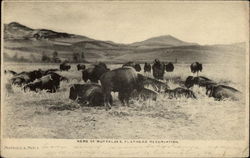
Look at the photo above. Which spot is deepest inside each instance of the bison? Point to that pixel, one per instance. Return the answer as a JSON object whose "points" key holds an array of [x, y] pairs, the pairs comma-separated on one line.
{"points": [[220, 92], [144, 94], [179, 92], [26, 77], [64, 67], [157, 85], [50, 82], [80, 67], [158, 70], [88, 94], [169, 67], [147, 67], [200, 81], [137, 67], [122, 80], [94, 74], [196, 67]]}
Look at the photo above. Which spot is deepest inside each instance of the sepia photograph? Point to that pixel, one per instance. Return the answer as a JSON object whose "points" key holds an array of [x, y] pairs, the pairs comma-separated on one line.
{"points": [[124, 71]]}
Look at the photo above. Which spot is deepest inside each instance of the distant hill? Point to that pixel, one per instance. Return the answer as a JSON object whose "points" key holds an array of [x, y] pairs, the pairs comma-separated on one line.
{"points": [[161, 41], [29, 44]]}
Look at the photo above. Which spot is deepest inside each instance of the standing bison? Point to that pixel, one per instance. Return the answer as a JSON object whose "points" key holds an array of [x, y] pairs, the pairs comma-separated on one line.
{"points": [[196, 67], [94, 74], [169, 67], [122, 80], [88, 94], [137, 67], [158, 70], [147, 67], [80, 67], [64, 67]]}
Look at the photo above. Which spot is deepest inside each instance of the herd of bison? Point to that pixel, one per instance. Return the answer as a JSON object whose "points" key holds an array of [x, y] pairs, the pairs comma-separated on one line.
{"points": [[125, 80]]}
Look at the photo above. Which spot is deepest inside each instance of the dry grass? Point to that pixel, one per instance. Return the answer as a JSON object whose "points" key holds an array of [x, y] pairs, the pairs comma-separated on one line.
{"points": [[45, 115]]}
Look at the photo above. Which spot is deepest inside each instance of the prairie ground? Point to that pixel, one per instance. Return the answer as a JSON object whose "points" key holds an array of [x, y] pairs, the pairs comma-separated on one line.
{"points": [[46, 115]]}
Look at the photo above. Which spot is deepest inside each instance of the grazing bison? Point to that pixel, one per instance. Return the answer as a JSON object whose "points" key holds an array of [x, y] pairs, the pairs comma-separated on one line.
{"points": [[158, 69], [179, 92], [122, 80], [147, 67], [80, 67], [89, 94], [10, 72], [169, 67], [86, 74], [94, 74], [157, 85], [64, 67], [26, 77], [144, 94], [196, 67], [50, 82], [220, 92], [200, 81]]}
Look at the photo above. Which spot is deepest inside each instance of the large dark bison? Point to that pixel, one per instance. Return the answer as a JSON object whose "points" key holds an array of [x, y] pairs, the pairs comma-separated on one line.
{"points": [[179, 92], [220, 92], [88, 94], [80, 67], [196, 67], [26, 77], [64, 67], [169, 67], [50, 82], [147, 67], [94, 74], [122, 80], [158, 70]]}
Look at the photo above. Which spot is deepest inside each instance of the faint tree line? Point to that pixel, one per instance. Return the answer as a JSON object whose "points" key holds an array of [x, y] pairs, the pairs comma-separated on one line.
{"points": [[45, 57]]}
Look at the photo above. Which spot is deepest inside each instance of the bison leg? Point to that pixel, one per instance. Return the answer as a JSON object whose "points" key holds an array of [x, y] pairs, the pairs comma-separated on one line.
{"points": [[107, 100], [121, 97]]}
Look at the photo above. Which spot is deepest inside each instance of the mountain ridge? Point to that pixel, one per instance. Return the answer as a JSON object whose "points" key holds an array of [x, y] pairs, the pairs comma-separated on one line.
{"points": [[29, 43]]}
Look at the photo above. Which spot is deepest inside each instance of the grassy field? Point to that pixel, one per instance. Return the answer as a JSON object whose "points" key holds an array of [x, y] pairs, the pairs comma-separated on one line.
{"points": [[45, 115]]}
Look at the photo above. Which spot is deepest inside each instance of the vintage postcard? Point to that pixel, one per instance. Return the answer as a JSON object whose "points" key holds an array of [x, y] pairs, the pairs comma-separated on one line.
{"points": [[125, 79]]}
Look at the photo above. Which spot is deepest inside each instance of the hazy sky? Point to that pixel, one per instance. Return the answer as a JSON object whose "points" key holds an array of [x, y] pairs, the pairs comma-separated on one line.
{"points": [[127, 22]]}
